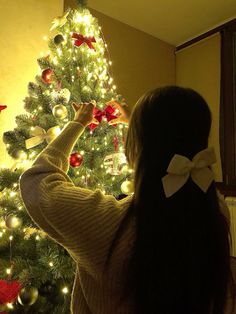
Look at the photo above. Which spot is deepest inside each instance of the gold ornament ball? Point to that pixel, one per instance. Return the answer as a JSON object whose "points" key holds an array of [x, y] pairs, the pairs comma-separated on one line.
{"points": [[12, 222], [28, 296], [127, 187], [60, 112]]}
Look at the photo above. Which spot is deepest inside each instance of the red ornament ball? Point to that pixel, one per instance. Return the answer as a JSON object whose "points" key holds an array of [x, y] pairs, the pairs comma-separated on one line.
{"points": [[76, 159], [9, 291], [47, 76]]}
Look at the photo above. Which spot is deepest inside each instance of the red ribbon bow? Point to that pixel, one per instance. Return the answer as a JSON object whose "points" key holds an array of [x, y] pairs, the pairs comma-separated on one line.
{"points": [[9, 291], [2, 107], [80, 39], [99, 115]]}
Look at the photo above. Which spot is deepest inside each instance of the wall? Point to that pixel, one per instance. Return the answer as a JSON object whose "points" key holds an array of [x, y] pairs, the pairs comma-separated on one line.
{"points": [[23, 25], [198, 67], [140, 61]]}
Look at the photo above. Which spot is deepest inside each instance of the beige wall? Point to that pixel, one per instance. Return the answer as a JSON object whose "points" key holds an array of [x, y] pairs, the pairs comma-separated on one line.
{"points": [[198, 67], [22, 27], [140, 61]]}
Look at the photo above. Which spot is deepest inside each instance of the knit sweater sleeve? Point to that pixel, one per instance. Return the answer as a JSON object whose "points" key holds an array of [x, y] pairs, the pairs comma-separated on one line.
{"points": [[83, 221]]}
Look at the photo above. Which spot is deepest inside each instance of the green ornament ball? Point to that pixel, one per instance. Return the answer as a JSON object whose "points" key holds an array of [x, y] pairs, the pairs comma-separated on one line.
{"points": [[58, 39], [28, 296]]}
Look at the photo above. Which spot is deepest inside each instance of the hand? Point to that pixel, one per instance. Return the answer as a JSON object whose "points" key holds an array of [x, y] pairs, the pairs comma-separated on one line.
{"points": [[124, 110], [84, 113]]}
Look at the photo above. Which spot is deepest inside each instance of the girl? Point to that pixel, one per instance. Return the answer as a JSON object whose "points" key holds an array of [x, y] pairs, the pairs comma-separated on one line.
{"points": [[164, 250]]}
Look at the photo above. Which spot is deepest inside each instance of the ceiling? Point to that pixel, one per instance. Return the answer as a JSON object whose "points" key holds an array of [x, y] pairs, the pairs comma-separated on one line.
{"points": [[173, 21]]}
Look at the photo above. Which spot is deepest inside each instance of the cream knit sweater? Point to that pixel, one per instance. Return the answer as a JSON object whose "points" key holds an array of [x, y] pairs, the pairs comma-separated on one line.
{"points": [[82, 221]]}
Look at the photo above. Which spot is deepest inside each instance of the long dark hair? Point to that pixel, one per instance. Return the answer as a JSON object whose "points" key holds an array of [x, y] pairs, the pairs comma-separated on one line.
{"points": [[180, 262]]}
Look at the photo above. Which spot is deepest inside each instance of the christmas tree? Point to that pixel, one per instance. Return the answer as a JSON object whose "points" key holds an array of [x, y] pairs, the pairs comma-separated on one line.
{"points": [[36, 274]]}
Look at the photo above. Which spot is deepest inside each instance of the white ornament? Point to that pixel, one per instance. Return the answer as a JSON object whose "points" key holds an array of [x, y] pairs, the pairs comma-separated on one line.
{"points": [[114, 163], [63, 93]]}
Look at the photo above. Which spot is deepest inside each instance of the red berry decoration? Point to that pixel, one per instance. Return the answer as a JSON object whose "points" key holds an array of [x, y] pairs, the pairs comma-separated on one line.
{"points": [[47, 76], [76, 159]]}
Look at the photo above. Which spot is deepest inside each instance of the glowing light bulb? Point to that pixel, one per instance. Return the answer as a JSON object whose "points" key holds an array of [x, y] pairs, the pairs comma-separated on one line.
{"points": [[1, 234], [11, 238], [65, 290], [37, 237], [10, 306], [50, 264], [12, 194], [8, 271]]}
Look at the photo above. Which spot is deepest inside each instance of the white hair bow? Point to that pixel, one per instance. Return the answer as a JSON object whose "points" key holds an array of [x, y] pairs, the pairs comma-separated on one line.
{"points": [[181, 168]]}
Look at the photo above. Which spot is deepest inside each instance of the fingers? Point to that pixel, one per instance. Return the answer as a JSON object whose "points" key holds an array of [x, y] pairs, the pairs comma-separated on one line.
{"points": [[75, 106], [114, 121], [88, 106]]}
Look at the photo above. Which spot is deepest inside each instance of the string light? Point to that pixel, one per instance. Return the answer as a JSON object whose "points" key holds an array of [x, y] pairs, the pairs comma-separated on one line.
{"points": [[37, 237], [10, 306], [8, 271], [1, 234], [11, 238], [50, 264], [12, 194], [65, 290]]}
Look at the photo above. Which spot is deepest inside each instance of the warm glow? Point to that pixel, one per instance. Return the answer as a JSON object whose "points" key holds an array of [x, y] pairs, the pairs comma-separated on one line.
{"points": [[65, 290], [10, 306]]}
